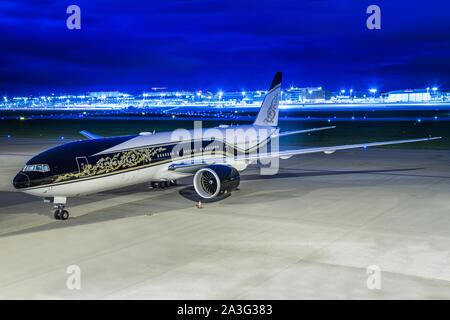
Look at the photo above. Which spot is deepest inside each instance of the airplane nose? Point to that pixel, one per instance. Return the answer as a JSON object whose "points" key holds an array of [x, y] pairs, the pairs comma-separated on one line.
{"points": [[21, 180]]}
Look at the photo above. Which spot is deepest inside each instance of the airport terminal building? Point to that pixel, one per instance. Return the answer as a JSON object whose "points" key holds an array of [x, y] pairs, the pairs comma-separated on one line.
{"points": [[415, 95]]}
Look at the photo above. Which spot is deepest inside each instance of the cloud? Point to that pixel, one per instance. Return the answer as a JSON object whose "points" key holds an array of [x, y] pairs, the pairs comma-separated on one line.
{"points": [[185, 44]]}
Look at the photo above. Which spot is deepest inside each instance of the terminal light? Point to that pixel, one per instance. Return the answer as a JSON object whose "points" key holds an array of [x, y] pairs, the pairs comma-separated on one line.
{"points": [[435, 89], [373, 90], [244, 93], [343, 91]]}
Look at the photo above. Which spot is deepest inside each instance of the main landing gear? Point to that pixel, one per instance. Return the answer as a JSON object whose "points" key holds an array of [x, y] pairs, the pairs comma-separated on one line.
{"points": [[163, 184], [60, 213]]}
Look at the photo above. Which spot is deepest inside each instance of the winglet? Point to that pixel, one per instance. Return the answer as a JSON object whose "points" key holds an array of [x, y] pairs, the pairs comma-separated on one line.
{"points": [[90, 135]]}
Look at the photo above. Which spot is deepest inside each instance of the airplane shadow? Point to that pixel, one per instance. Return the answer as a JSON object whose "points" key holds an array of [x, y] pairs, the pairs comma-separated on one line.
{"points": [[18, 202], [190, 194]]}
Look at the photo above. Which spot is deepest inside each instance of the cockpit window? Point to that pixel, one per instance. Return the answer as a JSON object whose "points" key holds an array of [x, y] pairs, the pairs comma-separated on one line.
{"points": [[37, 168]]}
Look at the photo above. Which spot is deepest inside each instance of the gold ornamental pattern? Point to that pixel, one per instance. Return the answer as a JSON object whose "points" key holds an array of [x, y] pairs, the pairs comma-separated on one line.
{"points": [[119, 161]]}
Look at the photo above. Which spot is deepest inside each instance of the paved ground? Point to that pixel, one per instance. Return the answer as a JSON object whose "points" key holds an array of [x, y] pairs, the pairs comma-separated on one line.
{"points": [[309, 232]]}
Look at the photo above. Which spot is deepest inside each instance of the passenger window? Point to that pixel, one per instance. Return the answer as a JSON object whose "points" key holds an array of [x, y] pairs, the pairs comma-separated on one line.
{"points": [[39, 167], [46, 168]]}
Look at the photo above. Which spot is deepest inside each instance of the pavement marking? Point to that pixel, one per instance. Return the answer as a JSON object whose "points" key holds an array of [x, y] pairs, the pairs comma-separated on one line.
{"points": [[27, 227]]}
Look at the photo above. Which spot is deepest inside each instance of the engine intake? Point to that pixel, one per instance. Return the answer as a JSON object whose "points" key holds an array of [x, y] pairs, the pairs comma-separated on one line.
{"points": [[215, 180]]}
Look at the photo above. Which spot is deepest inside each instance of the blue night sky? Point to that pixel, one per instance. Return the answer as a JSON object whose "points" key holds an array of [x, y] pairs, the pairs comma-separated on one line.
{"points": [[133, 45]]}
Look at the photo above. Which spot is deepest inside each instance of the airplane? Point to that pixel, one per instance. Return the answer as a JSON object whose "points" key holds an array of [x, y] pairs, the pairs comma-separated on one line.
{"points": [[215, 160]]}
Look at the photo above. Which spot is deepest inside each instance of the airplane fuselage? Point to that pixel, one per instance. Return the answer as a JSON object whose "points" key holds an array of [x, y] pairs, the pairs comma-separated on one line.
{"points": [[89, 166]]}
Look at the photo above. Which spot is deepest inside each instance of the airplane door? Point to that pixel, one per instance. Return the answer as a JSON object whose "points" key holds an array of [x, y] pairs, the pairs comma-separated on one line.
{"points": [[82, 163]]}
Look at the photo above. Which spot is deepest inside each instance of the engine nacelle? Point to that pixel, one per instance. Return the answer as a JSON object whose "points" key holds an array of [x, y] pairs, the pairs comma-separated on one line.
{"points": [[216, 180]]}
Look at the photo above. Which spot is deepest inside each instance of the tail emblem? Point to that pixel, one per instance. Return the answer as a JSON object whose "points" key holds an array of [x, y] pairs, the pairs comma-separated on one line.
{"points": [[272, 110]]}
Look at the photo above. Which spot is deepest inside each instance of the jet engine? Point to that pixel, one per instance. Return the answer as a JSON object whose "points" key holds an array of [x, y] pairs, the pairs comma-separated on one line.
{"points": [[216, 180]]}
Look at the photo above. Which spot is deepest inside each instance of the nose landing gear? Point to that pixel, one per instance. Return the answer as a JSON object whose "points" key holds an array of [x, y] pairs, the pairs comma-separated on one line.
{"points": [[60, 213]]}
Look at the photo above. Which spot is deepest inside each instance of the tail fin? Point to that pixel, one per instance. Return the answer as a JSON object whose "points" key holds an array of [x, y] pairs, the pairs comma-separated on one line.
{"points": [[268, 114]]}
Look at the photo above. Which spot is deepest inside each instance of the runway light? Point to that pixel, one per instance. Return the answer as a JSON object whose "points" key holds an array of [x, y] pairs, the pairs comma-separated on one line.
{"points": [[435, 117], [62, 138], [329, 120], [419, 120], [8, 136], [353, 117], [365, 147]]}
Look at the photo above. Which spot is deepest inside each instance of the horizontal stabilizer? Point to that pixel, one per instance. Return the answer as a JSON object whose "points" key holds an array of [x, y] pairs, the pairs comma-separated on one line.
{"points": [[90, 135]]}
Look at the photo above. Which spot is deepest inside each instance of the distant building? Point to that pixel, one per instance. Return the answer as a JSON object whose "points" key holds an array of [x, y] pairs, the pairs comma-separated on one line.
{"points": [[107, 94], [415, 95], [294, 94]]}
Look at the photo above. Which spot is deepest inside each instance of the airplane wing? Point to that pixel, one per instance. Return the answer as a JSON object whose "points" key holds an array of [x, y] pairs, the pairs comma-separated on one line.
{"points": [[287, 133], [90, 135], [193, 166]]}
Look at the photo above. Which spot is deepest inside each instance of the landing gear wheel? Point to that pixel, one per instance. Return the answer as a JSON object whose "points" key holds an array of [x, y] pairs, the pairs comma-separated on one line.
{"points": [[60, 213], [57, 215], [155, 185], [64, 215]]}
